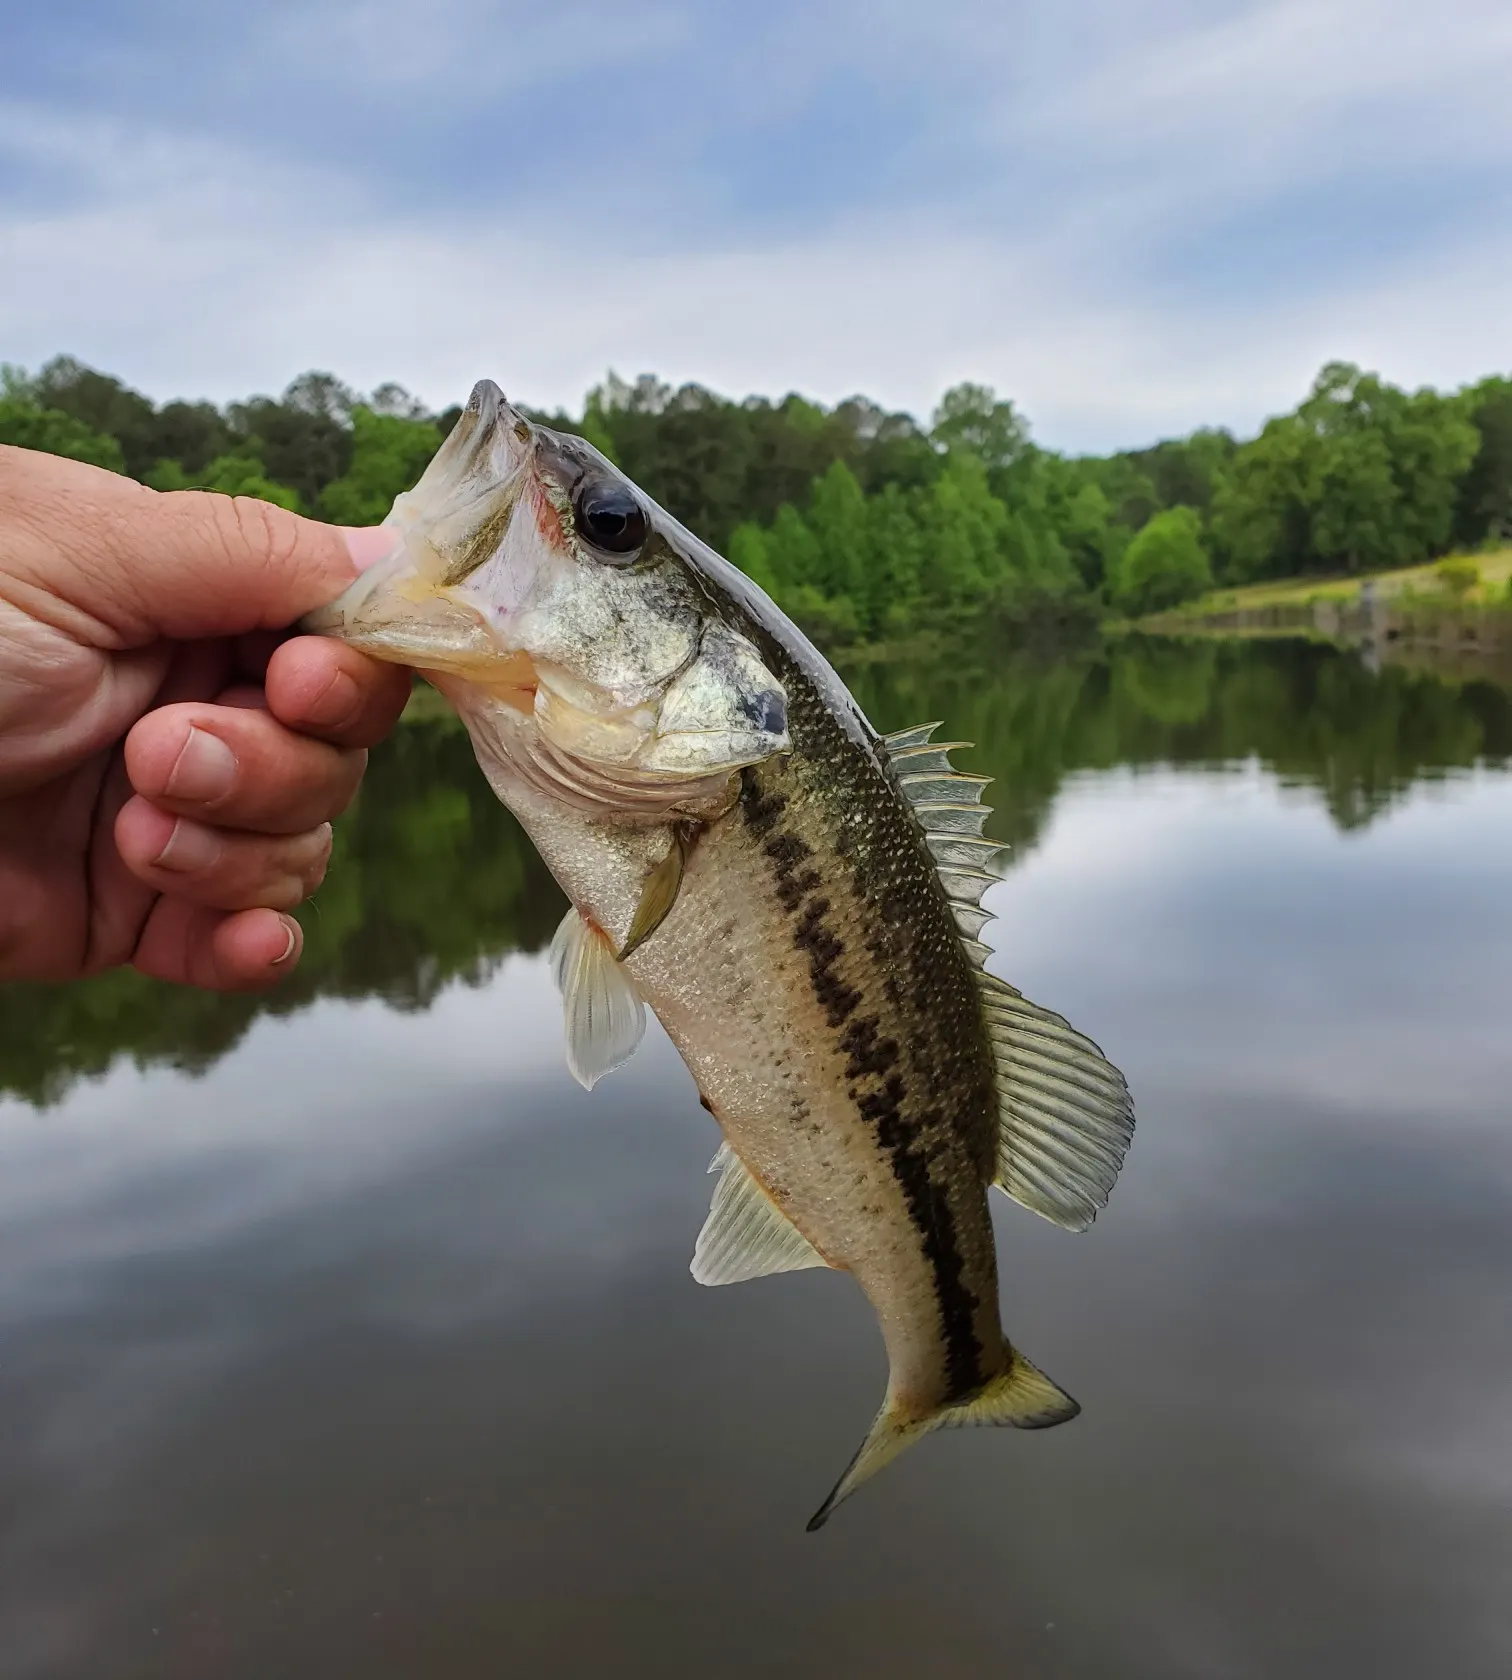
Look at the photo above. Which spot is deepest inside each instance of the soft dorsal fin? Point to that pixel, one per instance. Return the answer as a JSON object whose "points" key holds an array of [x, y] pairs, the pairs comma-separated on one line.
{"points": [[746, 1234], [1065, 1118], [604, 1015]]}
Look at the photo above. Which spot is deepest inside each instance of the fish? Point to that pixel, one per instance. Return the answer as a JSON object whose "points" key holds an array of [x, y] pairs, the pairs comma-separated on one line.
{"points": [[795, 896]]}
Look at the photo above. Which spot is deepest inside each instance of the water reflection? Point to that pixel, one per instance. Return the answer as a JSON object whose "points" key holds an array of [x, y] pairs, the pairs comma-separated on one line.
{"points": [[433, 882], [372, 1349]]}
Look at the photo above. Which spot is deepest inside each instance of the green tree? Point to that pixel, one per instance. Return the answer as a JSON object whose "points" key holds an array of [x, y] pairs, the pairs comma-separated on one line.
{"points": [[965, 528], [1483, 512], [303, 439], [748, 551], [896, 544], [1363, 475], [837, 518], [972, 419], [238, 474], [1164, 564], [388, 454], [104, 406], [1184, 472], [28, 426]]}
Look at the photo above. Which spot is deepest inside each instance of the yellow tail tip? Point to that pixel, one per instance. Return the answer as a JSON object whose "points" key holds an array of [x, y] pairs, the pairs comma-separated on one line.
{"points": [[1022, 1397]]}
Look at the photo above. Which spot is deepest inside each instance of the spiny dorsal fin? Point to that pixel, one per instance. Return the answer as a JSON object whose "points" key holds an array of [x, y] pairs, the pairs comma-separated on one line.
{"points": [[915, 737], [948, 806], [604, 1015], [746, 1234], [1065, 1118]]}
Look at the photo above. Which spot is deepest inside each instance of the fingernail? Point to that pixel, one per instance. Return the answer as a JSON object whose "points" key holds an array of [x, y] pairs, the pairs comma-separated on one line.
{"points": [[368, 544], [204, 769], [291, 930], [190, 847], [338, 705]]}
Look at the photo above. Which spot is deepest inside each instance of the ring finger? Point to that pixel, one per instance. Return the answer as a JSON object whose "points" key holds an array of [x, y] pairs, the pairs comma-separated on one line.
{"points": [[221, 868]]}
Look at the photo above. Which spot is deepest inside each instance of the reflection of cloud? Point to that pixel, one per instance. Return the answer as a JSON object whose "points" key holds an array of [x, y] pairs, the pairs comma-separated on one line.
{"points": [[491, 1370], [380, 1337], [303, 1110], [1257, 950]]}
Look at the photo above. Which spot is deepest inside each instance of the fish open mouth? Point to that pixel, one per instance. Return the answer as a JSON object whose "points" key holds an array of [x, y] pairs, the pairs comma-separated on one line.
{"points": [[405, 609]]}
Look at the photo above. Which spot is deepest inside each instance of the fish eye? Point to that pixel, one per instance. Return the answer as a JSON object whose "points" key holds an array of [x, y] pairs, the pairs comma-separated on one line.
{"points": [[609, 516]]}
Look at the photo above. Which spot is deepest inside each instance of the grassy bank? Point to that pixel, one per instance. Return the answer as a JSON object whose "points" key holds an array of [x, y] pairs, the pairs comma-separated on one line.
{"points": [[1452, 618], [1418, 585]]}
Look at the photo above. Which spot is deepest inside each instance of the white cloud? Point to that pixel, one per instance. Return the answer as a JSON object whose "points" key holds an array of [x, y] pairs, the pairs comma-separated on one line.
{"points": [[205, 269]]}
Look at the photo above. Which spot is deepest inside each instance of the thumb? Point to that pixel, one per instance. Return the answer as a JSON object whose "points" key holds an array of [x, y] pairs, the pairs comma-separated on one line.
{"points": [[143, 564]]}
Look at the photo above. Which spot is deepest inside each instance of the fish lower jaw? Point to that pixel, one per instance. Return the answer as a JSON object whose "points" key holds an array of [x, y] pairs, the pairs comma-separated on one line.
{"points": [[509, 678]]}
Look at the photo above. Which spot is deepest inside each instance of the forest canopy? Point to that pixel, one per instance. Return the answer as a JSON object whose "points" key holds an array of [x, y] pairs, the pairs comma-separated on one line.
{"points": [[867, 524]]}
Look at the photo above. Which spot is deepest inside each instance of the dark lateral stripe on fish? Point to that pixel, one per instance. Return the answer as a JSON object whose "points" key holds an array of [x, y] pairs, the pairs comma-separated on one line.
{"points": [[823, 949], [870, 1058], [932, 1219]]}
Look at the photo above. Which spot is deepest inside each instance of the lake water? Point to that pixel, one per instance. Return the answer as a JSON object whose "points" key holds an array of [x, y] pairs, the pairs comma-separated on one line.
{"points": [[342, 1334]]}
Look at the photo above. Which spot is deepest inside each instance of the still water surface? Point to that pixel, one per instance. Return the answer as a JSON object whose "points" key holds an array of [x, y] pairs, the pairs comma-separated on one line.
{"points": [[349, 1337]]}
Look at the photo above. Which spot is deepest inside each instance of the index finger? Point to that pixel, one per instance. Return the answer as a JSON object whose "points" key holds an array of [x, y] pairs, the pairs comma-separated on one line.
{"points": [[326, 689]]}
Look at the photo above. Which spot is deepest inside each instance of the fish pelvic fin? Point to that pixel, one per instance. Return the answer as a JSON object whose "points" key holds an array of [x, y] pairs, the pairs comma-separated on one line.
{"points": [[603, 1014], [1021, 1396]]}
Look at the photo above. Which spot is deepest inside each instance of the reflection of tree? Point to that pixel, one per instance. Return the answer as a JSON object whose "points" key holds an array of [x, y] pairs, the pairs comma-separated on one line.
{"points": [[1171, 682], [1315, 716], [434, 882]]}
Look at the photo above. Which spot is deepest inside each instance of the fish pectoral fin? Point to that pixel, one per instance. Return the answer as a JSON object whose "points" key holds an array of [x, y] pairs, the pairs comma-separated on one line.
{"points": [[658, 895], [746, 1234], [604, 1016], [1065, 1117], [1022, 1397]]}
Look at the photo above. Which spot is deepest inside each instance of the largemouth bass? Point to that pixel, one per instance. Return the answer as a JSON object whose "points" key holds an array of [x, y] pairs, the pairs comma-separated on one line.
{"points": [[796, 897]]}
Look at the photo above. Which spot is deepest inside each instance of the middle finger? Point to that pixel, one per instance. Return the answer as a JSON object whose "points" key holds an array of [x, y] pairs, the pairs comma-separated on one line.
{"points": [[234, 766]]}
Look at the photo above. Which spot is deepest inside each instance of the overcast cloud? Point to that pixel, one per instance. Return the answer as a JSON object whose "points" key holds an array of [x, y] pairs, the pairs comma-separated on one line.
{"points": [[1131, 217]]}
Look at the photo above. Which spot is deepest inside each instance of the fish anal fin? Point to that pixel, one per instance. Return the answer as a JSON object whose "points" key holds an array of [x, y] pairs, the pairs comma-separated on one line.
{"points": [[603, 1014], [1021, 1397], [746, 1234], [1065, 1117]]}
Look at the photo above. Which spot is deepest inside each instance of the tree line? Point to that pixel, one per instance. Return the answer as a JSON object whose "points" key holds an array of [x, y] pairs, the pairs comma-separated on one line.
{"points": [[864, 523]]}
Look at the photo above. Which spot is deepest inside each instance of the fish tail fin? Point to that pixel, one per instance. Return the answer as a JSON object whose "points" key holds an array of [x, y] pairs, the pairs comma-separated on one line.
{"points": [[1021, 1396]]}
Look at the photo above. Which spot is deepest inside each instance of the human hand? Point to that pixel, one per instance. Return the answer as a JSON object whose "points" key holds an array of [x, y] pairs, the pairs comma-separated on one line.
{"points": [[168, 766]]}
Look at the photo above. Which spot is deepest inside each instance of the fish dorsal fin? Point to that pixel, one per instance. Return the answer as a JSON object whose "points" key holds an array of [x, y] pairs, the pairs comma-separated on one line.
{"points": [[604, 1015], [746, 1234], [948, 805], [1065, 1118], [1064, 1114]]}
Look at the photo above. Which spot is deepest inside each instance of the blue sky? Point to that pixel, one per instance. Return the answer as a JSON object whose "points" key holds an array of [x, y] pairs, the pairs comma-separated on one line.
{"points": [[1132, 216]]}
